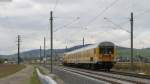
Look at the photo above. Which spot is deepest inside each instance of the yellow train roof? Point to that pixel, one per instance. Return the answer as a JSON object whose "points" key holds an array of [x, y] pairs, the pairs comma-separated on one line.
{"points": [[91, 47]]}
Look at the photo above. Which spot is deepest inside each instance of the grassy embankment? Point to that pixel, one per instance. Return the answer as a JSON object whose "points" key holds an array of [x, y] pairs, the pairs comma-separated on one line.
{"points": [[137, 67], [8, 69], [35, 78]]}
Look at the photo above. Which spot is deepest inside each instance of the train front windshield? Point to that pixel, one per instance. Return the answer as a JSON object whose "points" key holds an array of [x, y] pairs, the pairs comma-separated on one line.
{"points": [[107, 50]]}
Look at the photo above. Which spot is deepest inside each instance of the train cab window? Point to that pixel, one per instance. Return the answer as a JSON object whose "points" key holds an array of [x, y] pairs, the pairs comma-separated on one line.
{"points": [[106, 50]]}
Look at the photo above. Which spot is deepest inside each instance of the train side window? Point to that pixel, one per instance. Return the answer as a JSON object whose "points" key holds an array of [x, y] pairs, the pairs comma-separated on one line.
{"points": [[107, 50]]}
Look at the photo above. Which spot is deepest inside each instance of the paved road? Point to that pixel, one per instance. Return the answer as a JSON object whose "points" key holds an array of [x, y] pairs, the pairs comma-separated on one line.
{"points": [[73, 78], [21, 77]]}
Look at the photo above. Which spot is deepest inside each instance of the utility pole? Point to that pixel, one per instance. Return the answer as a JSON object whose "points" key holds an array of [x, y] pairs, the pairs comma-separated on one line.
{"points": [[44, 50], [131, 20], [18, 49], [83, 41], [40, 54], [51, 38]]}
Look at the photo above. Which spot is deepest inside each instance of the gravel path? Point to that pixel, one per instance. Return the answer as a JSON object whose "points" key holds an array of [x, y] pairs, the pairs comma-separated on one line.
{"points": [[21, 77]]}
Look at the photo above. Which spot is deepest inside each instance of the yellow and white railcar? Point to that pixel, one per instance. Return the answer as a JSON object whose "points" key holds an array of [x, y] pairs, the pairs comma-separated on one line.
{"points": [[98, 56]]}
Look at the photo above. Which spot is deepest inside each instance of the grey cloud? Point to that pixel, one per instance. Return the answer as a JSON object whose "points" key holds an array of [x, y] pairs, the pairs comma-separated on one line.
{"points": [[30, 18]]}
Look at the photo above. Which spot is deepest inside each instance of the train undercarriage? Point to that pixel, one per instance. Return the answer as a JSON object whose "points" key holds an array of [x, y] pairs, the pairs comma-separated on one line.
{"points": [[106, 66]]}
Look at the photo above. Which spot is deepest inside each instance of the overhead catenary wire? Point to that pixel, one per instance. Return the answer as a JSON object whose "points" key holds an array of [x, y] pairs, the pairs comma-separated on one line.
{"points": [[66, 25], [118, 26], [101, 13], [142, 13], [55, 6], [92, 20]]}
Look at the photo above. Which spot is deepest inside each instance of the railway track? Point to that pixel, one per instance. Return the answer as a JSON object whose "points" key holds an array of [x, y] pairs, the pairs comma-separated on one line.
{"points": [[110, 77], [130, 74]]}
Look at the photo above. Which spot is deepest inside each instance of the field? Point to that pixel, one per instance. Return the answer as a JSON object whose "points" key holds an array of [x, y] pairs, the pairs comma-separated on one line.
{"points": [[137, 67], [8, 69]]}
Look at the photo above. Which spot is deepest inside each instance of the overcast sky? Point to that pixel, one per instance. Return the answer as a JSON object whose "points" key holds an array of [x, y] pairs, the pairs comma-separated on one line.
{"points": [[73, 20]]}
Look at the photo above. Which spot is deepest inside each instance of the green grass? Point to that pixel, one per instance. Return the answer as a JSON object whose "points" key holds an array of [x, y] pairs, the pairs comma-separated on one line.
{"points": [[8, 69], [34, 78]]}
